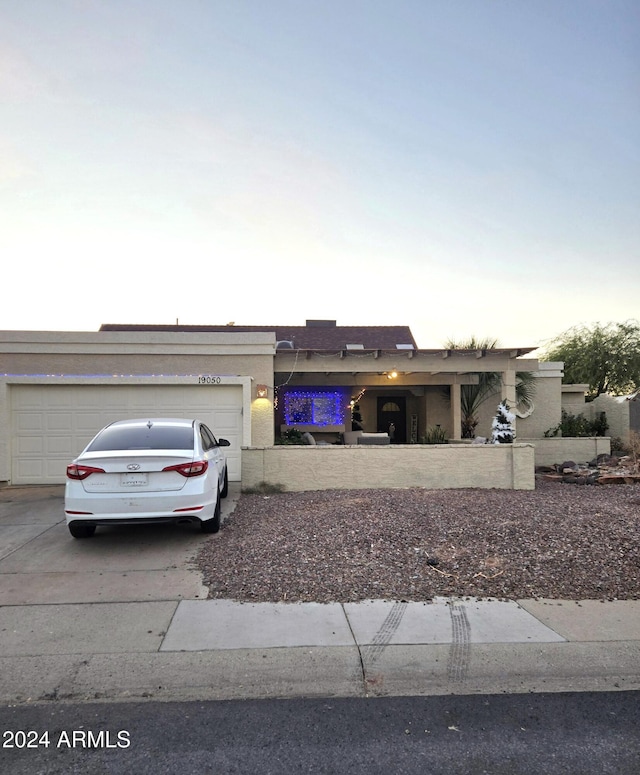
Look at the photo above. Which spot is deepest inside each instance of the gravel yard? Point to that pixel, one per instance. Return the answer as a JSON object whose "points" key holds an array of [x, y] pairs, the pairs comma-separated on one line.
{"points": [[558, 541]]}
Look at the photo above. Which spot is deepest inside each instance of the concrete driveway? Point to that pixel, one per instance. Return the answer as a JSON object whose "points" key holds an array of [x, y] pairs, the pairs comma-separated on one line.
{"points": [[40, 563]]}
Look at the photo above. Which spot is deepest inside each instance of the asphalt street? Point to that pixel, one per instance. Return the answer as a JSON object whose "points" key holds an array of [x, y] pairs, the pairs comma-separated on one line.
{"points": [[533, 734]]}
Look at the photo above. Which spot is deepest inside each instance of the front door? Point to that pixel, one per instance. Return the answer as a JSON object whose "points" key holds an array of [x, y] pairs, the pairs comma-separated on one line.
{"points": [[392, 418]]}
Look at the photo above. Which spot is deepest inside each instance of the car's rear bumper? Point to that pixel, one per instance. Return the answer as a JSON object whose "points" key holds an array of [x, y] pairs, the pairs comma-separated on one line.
{"points": [[101, 519], [109, 509]]}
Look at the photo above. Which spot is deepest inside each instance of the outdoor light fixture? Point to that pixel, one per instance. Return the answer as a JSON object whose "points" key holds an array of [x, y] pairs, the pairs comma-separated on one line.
{"points": [[392, 374], [262, 391]]}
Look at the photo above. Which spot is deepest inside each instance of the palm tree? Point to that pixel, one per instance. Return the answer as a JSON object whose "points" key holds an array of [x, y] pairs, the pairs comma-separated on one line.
{"points": [[473, 396]]}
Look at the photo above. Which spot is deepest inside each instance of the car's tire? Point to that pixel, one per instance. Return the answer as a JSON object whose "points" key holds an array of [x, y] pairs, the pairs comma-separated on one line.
{"points": [[212, 525], [82, 531], [225, 487]]}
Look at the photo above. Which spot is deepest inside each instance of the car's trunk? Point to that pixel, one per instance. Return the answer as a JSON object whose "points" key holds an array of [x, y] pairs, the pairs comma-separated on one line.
{"points": [[127, 471]]}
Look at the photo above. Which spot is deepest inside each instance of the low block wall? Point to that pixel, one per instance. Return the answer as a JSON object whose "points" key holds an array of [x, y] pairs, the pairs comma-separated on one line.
{"points": [[501, 466], [577, 448]]}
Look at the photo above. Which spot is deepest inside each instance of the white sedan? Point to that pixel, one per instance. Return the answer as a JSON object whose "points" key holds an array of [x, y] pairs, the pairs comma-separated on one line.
{"points": [[150, 470]]}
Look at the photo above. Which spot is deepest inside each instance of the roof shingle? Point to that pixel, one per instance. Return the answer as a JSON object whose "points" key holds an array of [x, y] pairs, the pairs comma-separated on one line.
{"points": [[310, 337]]}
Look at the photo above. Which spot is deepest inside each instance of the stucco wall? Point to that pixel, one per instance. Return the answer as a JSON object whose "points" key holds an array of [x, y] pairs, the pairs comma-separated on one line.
{"points": [[572, 399], [438, 411], [547, 407], [136, 363], [617, 411], [501, 466], [558, 449]]}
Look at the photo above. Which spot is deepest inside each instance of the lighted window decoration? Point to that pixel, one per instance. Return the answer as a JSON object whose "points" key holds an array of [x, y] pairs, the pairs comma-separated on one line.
{"points": [[313, 407]]}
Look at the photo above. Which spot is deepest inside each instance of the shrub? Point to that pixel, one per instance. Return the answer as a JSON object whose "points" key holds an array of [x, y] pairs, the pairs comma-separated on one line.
{"points": [[600, 426], [617, 445], [633, 447], [578, 425], [292, 436], [435, 435], [264, 488]]}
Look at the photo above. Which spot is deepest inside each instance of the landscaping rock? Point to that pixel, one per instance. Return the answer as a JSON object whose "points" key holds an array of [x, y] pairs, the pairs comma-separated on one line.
{"points": [[552, 477], [619, 479], [605, 469], [556, 541]]}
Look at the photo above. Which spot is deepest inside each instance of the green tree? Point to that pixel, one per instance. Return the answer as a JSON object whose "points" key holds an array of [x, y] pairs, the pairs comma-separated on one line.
{"points": [[605, 357], [473, 396]]}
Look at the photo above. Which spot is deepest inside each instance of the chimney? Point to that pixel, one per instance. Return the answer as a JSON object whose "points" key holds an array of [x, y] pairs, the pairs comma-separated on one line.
{"points": [[321, 323]]}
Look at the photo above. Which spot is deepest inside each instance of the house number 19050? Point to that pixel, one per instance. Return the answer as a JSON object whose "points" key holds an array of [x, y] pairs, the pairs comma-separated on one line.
{"points": [[209, 380]]}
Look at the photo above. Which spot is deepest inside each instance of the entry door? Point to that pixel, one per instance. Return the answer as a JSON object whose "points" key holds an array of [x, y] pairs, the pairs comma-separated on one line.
{"points": [[392, 410]]}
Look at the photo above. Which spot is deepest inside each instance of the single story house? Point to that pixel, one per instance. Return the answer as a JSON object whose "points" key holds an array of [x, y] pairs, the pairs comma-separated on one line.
{"points": [[252, 384]]}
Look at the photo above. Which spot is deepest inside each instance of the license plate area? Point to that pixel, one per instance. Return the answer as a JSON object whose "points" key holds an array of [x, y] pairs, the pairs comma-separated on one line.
{"points": [[134, 480]]}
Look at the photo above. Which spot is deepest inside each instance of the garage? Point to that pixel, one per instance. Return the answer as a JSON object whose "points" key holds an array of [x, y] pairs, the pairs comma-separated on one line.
{"points": [[51, 423]]}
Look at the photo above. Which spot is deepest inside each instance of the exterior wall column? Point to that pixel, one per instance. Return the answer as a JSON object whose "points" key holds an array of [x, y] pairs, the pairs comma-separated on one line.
{"points": [[508, 391], [456, 412]]}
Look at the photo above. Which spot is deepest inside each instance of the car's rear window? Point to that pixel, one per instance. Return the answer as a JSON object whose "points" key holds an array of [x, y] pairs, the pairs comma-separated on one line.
{"points": [[156, 437]]}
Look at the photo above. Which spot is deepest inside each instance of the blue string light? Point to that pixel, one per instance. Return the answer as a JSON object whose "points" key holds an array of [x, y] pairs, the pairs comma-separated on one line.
{"points": [[313, 407]]}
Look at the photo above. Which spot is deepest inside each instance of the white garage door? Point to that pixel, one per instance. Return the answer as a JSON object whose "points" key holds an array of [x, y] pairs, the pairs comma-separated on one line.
{"points": [[51, 424]]}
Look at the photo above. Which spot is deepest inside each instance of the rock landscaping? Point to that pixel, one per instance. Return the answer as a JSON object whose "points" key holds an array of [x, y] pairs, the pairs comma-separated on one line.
{"points": [[606, 469], [557, 541]]}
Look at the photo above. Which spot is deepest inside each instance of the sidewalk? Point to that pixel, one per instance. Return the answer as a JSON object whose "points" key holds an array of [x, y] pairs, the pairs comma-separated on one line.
{"points": [[218, 649], [116, 619]]}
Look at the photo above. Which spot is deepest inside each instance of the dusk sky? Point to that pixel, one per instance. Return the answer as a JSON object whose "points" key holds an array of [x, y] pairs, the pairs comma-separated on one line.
{"points": [[464, 167]]}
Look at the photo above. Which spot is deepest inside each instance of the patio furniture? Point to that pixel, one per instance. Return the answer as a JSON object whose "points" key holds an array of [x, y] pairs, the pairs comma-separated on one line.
{"points": [[381, 439], [360, 437]]}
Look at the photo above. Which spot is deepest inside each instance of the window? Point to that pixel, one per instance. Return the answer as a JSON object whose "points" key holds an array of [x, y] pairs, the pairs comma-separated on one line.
{"points": [[313, 408], [121, 437], [208, 439]]}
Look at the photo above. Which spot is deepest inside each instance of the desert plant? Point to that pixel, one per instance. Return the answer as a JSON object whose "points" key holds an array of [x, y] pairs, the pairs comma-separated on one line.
{"points": [[633, 447], [606, 357], [473, 396], [291, 436], [617, 445], [599, 426], [264, 488], [572, 425], [435, 435]]}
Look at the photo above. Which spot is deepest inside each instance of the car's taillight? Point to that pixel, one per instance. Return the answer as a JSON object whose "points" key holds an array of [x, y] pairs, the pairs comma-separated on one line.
{"points": [[75, 471], [196, 468]]}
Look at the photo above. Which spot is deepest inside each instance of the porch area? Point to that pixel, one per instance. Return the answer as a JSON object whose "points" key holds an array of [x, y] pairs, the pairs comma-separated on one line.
{"points": [[404, 393]]}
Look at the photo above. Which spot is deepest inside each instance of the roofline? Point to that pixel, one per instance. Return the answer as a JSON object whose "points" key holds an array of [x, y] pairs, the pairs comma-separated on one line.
{"points": [[283, 329], [513, 352]]}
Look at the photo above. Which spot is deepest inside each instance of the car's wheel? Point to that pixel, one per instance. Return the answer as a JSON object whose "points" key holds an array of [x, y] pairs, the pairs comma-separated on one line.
{"points": [[225, 487], [212, 525], [82, 531]]}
